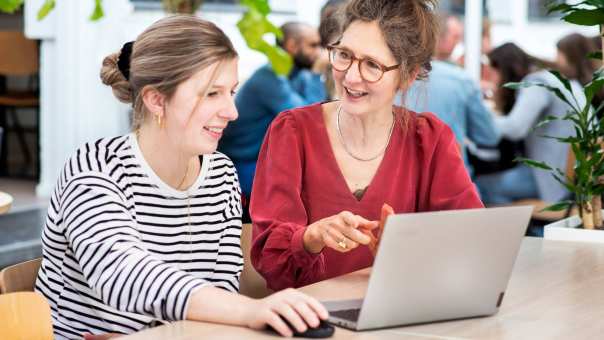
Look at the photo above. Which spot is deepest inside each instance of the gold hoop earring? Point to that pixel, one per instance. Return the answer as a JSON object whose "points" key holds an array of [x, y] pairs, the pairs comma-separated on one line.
{"points": [[159, 120]]}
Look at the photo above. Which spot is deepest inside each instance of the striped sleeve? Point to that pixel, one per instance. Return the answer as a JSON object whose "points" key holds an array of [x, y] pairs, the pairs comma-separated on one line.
{"points": [[106, 243], [229, 262]]}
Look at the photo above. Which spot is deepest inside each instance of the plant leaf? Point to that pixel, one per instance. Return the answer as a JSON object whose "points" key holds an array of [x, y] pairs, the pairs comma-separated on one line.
{"points": [[253, 26], [585, 17], [533, 163], [97, 13], [545, 121], [553, 89], [562, 8], [597, 81], [566, 140], [48, 6], [10, 6], [562, 79], [568, 183], [595, 55], [558, 206], [595, 3]]}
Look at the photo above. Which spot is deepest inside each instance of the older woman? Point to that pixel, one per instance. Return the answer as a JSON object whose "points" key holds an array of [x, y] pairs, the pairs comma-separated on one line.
{"points": [[325, 170]]}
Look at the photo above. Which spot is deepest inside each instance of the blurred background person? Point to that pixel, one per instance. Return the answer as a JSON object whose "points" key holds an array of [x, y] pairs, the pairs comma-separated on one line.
{"points": [[265, 94], [451, 35], [528, 107], [453, 96]]}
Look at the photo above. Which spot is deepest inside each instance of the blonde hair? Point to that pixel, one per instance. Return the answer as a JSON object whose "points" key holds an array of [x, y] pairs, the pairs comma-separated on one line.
{"points": [[166, 54]]}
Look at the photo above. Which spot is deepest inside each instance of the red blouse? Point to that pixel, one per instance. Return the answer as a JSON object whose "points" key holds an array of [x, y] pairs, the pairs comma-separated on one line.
{"points": [[298, 182]]}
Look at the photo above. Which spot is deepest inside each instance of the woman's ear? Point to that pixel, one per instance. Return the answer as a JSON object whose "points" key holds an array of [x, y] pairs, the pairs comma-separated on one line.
{"points": [[154, 101], [406, 83]]}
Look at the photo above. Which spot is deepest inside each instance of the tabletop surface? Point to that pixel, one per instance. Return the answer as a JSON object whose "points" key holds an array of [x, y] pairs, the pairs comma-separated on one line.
{"points": [[556, 292]]}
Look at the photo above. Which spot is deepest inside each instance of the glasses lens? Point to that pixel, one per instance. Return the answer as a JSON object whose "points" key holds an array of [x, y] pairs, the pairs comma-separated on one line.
{"points": [[371, 70], [340, 59]]}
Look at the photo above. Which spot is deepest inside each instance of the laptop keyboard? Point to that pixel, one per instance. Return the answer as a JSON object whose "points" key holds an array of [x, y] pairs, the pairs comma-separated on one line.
{"points": [[347, 314]]}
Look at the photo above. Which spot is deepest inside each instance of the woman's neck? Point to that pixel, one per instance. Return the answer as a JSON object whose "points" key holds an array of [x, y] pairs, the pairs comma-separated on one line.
{"points": [[167, 159], [368, 129]]}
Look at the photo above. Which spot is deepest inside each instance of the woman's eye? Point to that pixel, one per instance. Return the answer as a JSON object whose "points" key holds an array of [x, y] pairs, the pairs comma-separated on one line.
{"points": [[344, 55], [373, 65], [212, 94]]}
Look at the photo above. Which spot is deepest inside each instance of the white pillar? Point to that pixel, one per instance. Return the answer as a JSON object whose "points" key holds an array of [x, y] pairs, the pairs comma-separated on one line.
{"points": [[74, 105], [473, 37]]}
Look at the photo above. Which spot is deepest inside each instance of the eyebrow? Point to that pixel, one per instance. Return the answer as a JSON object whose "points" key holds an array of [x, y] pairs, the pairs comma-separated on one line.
{"points": [[218, 86]]}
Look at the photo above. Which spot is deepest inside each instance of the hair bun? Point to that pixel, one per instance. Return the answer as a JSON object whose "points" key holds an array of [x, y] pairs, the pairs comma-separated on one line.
{"points": [[112, 76]]}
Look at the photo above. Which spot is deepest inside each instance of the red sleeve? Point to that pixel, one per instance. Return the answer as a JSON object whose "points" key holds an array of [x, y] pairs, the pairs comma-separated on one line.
{"points": [[278, 213], [447, 185]]}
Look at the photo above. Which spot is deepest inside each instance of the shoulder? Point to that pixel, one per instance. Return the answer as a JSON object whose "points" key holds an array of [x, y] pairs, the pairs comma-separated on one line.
{"points": [[429, 130], [220, 161], [444, 69], [221, 170], [542, 76], [97, 155], [96, 162], [262, 73], [303, 117]]}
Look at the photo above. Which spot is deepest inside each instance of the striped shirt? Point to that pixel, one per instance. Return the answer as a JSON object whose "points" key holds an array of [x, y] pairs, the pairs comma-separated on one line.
{"points": [[123, 250]]}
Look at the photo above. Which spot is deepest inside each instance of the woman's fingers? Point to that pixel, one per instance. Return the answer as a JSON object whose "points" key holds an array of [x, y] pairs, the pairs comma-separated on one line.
{"points": [[275, 321], [309, 317], [316, 306], [293, 318], [338, 241]]}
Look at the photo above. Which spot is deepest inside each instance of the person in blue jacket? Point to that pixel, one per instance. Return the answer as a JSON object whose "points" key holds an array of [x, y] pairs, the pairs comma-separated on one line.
{"points": [[265, 94]]}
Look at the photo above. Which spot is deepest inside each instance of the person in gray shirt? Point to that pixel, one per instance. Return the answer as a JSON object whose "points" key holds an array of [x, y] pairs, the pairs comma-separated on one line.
{"points": [[530, 106]]}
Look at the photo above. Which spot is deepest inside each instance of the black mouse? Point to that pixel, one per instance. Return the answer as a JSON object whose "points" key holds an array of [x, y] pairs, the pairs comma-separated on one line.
{"points": [[324, 330]]}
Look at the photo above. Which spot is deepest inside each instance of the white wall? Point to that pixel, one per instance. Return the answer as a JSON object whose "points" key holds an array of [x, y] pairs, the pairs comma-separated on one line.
{"points": [[537, 37]]}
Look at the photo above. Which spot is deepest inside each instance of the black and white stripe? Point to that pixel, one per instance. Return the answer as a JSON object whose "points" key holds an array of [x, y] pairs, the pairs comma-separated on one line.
{"points": [[122, 250]]}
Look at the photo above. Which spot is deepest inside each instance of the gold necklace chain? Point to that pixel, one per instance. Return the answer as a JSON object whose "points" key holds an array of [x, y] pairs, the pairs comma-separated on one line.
{"points": [[346, 146]]}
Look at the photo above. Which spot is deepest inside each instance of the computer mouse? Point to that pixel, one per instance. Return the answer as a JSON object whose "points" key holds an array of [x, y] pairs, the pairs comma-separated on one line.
{"points": [[324, 330]]}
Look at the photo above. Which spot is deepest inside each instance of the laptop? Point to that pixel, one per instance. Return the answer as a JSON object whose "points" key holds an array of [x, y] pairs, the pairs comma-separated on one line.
{"points": [[437, 266]]}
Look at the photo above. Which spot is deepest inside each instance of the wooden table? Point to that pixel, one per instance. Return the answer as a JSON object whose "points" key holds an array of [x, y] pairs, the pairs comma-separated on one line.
{"points": [[5, 202], [556, 292]]}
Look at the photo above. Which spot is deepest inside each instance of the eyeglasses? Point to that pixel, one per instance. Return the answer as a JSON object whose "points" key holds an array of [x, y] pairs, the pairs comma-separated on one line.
{"points": [[370, 70]]}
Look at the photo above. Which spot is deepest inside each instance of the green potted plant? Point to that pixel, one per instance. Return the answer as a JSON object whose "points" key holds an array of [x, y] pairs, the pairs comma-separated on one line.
{"points": [[586, 181]]}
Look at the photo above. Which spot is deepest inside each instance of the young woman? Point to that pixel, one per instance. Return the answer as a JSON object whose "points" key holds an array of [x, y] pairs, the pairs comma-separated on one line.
{"points": [[325, 170], [144, 228]]}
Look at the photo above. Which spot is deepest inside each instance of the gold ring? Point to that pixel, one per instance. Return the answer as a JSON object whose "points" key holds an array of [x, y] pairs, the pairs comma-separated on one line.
{"points": [[342, 244]]}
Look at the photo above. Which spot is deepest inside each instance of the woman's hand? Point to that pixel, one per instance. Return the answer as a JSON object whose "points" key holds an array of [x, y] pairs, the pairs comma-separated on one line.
{"points": [[299, 309], [340, 232]]}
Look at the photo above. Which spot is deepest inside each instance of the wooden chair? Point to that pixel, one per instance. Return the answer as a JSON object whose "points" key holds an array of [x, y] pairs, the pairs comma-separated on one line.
{"points": [[20, 277], [6, 201], [25, 316], [18, 59], [252, 284]]}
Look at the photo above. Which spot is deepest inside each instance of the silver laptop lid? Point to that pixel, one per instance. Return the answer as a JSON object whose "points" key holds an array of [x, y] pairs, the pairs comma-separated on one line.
{"points": [[442, 265]]}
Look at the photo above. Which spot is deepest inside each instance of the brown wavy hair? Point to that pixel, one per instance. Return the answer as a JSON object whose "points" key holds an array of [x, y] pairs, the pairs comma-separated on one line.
{"points": [[410, 28]]}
